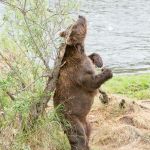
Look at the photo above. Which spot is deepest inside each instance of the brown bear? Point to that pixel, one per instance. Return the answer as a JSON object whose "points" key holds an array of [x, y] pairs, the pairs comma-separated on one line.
{"points": [[77, 86]]}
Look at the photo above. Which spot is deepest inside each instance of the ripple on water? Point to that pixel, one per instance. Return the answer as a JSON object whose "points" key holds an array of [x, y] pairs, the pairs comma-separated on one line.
{"points": [[120, 32]]}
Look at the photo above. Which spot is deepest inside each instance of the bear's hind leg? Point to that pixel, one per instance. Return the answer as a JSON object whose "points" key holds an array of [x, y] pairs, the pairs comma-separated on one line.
{"points": [[76, 134]]}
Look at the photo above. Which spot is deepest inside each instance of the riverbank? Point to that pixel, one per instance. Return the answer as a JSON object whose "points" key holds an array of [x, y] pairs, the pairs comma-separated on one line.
{"points": [[113, 128], [122, 128]]}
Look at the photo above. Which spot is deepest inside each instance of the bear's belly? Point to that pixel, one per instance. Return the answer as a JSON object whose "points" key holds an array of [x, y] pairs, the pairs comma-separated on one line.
{"points": [[76, 101], [80, 106]]}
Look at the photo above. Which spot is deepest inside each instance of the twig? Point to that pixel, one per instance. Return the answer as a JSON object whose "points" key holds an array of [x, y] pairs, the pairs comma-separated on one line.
{"points": [[24, 8], [12, 68], [10, 95], [12, 6], [40, 54], [29, 85]]}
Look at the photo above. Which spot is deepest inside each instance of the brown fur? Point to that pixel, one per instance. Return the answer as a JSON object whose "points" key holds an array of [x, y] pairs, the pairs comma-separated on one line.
{"points": [[96, 59], [75, 34], [76, 88], [98, 62]]}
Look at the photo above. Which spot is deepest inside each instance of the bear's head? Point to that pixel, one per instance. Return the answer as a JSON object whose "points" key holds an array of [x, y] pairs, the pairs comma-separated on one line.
{"points": [[76, 33]]}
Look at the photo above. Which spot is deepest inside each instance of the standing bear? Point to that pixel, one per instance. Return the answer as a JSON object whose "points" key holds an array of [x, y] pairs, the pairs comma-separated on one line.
{"points": [[77, 86]]}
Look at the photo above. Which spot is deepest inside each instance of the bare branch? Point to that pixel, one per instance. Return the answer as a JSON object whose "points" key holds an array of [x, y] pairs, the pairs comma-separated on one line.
{"points": [[10, 95], [38, 50], [24, 8], [12, 6], [12, 68]]}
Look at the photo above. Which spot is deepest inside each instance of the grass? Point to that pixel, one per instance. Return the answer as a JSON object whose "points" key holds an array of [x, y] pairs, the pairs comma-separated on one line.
{"points": [[47, 134], [135, 86]]}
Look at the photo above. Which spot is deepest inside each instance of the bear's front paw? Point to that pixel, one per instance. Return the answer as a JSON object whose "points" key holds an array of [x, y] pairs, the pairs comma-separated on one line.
{"points": [[107, 73]]}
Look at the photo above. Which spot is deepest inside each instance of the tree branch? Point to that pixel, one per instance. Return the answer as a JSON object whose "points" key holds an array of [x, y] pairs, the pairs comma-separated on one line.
{"points": [[12, 6], [38, 50]]}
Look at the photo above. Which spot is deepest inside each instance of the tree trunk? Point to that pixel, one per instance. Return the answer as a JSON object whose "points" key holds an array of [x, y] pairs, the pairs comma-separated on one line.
{"points": [[38, 108]]}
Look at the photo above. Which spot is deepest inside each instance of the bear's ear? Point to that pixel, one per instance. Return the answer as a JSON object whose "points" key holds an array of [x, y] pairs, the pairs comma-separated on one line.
{"points": [[62, 34]]}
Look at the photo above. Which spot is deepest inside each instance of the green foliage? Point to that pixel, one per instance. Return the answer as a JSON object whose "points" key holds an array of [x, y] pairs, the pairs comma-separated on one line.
{"points": [[47, 134], [137, 86], [29, 42]]}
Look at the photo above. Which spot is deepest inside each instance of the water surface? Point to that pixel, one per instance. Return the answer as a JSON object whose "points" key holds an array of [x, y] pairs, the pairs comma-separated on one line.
{"points": [[119, 30]]}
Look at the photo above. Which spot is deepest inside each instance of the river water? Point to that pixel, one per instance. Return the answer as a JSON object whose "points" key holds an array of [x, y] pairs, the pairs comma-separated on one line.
{"points": [[119, 30]]}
